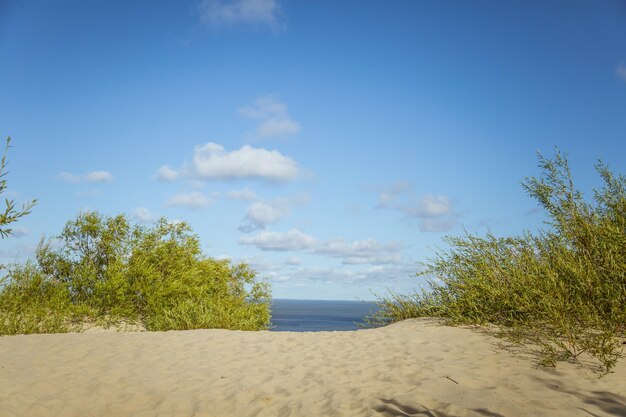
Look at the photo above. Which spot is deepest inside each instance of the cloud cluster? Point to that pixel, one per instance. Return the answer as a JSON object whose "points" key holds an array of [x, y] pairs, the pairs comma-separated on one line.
{"points": [[359, 252], [435, 213], [212, 162], [366, 251], [261, 13], [93, 176], [273, 118], [396, 277]]}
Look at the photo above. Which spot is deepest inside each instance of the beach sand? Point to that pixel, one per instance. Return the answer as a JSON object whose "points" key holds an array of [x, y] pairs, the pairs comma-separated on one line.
{"points": [[412, 368]]}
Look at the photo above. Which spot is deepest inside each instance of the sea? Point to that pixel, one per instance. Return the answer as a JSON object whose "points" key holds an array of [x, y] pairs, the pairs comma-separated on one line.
{"points": [[319, 315]]}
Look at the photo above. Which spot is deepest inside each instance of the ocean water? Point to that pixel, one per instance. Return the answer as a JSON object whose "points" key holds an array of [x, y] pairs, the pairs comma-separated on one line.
{"points": [[318, 315]]}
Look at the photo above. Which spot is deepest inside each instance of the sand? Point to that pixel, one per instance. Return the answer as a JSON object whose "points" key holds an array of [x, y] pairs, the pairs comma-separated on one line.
{"points": [[412, 368]]}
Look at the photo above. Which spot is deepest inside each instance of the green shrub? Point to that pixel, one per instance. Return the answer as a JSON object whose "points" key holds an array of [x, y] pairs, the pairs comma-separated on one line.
{"points": [[108, 270], [563, 290], [32, 303]]}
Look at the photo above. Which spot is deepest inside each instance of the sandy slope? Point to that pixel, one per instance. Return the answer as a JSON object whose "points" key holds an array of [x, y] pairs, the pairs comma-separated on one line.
{"points": [[413, 368]]}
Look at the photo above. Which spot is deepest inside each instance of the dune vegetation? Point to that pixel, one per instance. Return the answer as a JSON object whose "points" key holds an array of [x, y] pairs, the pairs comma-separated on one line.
{"points": [[104, 270], [561, 290]]}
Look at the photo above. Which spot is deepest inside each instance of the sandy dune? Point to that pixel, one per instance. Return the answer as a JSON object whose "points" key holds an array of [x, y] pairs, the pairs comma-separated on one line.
{"points": [[413, 368]]}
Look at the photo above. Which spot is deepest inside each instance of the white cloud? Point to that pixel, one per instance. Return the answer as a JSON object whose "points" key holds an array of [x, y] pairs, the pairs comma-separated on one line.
{"points": [[430, 206], [143, 215], [265, 108], [359, 252], [280, 241], [244, 194], [274, 277], [260, 215], [67, 177], [294, 272], [388, 275], [194, 200], [166, 173], [93, 176], [273, 117], [620, 71], [388, 195], [362, 251], [435, 213], [218, 13], [212, 161]]}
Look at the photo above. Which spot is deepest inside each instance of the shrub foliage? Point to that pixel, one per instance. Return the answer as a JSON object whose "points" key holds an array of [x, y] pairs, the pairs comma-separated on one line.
{"points": [[562, 289], [105, 268]]}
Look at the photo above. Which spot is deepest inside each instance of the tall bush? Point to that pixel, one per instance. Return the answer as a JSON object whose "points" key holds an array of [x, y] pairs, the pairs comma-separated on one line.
{"points": [[109, 269], [562, 289]]}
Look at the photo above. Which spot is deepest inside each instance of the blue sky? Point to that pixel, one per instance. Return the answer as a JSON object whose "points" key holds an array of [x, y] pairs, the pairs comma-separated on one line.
{"points": [[329, 144]]}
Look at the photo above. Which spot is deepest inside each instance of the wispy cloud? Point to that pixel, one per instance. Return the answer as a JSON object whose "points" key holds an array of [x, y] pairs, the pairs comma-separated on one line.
{"points": [[254, 13], [261, 214], [93, 176], [166, 173], [388, 195], [392, 276], [366, 275], [143, 215], [430, 206], [244, 194], [194, 200], [273, 117], [280, 241], [362, 251], [437, 225], [620, 71], [359, 252], [435, 213], [212, 162]]}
